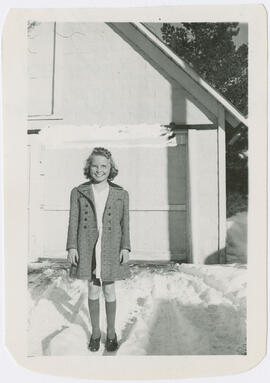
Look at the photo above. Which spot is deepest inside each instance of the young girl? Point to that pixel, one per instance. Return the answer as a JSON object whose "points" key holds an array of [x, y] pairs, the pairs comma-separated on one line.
{"points": [[98, 240]]}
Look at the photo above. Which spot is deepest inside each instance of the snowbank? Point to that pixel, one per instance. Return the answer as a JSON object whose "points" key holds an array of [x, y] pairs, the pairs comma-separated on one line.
{"points": [[236, 246]]}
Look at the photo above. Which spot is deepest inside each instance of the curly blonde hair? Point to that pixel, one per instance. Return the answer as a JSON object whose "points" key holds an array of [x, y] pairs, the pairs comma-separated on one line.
{"points": [[98, 151]]}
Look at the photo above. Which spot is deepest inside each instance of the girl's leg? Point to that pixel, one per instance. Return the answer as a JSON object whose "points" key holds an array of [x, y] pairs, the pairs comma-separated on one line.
{"points": [[110, 304], [93, 305]]}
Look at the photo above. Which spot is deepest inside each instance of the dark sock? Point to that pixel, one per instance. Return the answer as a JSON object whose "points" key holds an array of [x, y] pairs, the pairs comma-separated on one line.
{"points": [[110, 313], [93, 305]]}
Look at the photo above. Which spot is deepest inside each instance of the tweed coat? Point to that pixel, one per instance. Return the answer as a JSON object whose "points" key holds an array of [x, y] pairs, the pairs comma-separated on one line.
{"points": [[83, 232]]}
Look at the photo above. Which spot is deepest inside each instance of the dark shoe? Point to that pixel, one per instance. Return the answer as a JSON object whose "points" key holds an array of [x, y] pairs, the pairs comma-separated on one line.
{"points": [[111, 344], [94, 344]]}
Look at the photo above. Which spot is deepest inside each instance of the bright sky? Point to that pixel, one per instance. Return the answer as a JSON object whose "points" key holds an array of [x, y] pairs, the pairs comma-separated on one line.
{"points": [[241, 38]]}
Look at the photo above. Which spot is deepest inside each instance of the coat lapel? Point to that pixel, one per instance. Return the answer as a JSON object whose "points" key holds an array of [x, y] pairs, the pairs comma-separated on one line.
{"points": [[111, 196], [87, 191]]}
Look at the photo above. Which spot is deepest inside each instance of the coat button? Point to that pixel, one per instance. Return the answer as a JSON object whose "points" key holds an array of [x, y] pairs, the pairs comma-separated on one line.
{"points": [[109, 228], [85, 227], [109, 213], [85, 219], [86, 212], [86, 205]]}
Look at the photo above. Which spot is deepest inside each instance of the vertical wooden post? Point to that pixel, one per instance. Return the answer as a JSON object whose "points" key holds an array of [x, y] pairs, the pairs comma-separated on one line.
{"points": [[193, 256], [203, 195], [221, 184]]}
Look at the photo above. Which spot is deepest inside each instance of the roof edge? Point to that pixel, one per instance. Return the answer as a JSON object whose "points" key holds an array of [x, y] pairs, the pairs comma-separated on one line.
{"points": [[190, 72]]}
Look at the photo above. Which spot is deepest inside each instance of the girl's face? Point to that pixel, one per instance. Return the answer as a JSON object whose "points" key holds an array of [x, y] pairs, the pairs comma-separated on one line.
{"points": [[100, 168]]}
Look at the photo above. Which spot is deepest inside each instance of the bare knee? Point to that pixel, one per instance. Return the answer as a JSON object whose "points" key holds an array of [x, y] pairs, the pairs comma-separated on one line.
{"points": [[109, 292], [93, 291]]}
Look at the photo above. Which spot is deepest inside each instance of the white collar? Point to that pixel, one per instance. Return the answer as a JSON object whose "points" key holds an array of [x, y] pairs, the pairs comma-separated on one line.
{"points": [[105, 190]]}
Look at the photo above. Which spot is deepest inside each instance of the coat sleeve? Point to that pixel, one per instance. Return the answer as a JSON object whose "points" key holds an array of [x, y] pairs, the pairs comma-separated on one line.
{"points": [[125, 240], [72, 241]]}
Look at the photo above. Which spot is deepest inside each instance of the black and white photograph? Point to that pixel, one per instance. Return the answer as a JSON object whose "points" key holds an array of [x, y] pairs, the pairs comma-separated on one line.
{"points": [[135, 191], [138, 188]]}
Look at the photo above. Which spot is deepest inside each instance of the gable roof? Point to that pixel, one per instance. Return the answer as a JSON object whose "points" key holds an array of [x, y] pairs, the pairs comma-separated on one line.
{"points": [[149, 44]]}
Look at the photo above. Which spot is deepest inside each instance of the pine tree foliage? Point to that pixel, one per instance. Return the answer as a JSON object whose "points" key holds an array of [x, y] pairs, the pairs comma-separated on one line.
{"points": [[209, 48]]}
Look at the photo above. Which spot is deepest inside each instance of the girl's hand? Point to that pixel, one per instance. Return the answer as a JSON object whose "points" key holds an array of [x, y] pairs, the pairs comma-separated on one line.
{"points": [[124, 256], [73, 256]]}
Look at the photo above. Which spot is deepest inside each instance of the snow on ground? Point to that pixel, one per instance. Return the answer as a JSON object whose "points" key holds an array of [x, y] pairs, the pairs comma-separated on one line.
{"points": [[162, 310], [167, 309]]}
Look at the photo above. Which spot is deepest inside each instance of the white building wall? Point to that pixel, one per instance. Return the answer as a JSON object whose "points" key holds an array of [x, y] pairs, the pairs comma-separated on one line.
{"points": [[100, 79], [102, 86]]}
